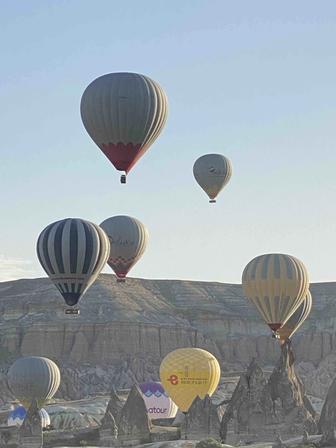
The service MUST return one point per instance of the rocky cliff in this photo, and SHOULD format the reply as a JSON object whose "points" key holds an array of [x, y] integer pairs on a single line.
{"points": [[125, 329]]}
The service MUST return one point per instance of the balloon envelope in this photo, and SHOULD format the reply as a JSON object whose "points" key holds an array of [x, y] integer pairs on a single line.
{"points": [[296, 319], [124, 113], [186, 373], [128, 240], [276, 284], [17, 416], [157, 401], [73, 252], [33, 378], [212, 172]]}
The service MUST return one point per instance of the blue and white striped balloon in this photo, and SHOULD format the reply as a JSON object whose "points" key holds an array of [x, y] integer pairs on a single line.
{"points": [[17, 416], [73, 252]]}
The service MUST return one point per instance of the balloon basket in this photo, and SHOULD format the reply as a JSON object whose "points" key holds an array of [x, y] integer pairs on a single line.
{"points": [[121, 280], [212, 201], [123, 179], [72, 311]]}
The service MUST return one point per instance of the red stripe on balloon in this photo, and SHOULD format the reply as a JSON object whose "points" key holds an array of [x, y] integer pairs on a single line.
{"points": [[122, 156]]}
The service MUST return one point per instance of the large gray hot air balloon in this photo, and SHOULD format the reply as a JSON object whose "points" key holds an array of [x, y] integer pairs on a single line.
{"points": [[212, 172], [124, 113], [33, 378], [128, 238], [73, 252]]}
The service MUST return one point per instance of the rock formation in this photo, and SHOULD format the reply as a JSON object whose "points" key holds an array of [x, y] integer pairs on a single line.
{"points": [[30, 432], [259, 408], [202, 418], [108, 431], [290, 403], [133, 419], [327, 422], [248, 408], [114, 406]]}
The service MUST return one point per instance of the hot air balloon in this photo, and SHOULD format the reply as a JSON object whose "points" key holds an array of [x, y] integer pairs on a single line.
{"points": [[276, 284], [186, 373], [73, 252], [128, 239], [296, 320], [124, 114], [212, 172], [17, 416], [33, 378], [157, 401]]}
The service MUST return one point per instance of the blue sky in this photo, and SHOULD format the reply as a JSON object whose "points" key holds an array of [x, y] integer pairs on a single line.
{"points": [[252, 80]]}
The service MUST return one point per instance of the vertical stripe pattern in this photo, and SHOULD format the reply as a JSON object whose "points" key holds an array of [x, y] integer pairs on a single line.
{"points": [[212, 172], [73, 252], [296, 319], [34, 378], [128, 240], [276, 284], [124, 114]]}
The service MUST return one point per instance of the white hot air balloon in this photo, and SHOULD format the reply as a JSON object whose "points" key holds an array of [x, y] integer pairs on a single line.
{"points": [[17, 416], [212, 172], [128, 239], [158, 403]]}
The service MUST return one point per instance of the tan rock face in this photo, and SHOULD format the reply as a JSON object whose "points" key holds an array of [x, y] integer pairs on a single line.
{"points": [[133, 419], [125, 329], [259, 407]]}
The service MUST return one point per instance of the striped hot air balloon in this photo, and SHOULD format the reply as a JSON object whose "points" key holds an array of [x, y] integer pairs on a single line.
{"points": [[73, 252], [124, 114], [34, 378], [128, 240], [17, 416], [212, 172], [276, 284], [296, 320]]}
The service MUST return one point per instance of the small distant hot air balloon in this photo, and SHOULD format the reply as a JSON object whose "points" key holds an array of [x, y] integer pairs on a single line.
{"points": [[34, 378], [124, 114], [212, 172], [186, 373], [128, 240], [296, 320], [157, 401], [17, 416], [276, 284], [73, 252]]}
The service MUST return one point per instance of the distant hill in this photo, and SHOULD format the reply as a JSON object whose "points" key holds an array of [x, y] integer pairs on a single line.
{"points": [[125, 329]]}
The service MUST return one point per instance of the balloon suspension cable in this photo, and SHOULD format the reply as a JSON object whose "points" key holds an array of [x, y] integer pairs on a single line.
{"points": [[72, 311], [275, 335], [123, 179], [185, 425], [121, 280]]}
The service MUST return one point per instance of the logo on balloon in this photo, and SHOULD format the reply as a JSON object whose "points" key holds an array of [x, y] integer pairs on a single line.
{"points": [[173, 379]]}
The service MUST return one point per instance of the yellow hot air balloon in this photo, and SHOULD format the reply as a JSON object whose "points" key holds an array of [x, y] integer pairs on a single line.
{"points": [[296, 320], [276, 284], [187, 373]]}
